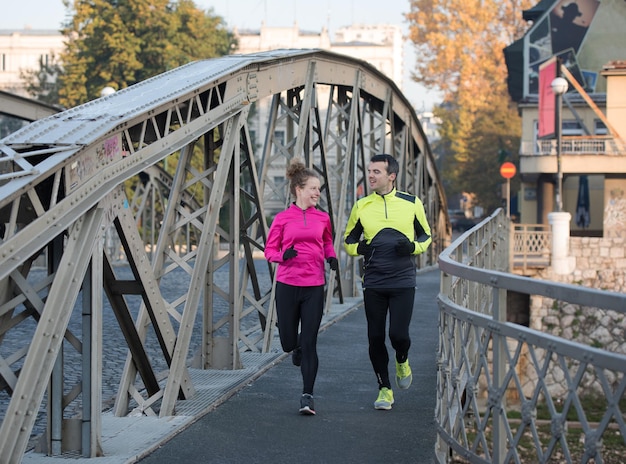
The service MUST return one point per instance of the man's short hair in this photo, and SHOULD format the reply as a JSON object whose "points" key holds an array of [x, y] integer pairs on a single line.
{"points": [[392, 165]]}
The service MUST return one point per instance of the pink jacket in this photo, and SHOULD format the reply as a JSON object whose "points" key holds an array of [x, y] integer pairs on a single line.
{"points": [[310, 233]]}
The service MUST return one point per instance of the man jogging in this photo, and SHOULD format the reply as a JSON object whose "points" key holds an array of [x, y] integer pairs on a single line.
{"points": [[394, 229]]}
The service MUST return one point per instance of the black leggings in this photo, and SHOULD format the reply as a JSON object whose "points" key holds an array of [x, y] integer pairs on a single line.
{"points": [[399, 303], [303, 306]]}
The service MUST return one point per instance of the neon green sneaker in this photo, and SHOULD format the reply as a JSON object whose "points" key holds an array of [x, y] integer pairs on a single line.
{"points": [[385, 399], [404, 377]]}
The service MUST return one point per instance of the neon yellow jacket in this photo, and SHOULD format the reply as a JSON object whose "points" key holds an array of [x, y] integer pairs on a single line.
{"points": [[383, 220]]}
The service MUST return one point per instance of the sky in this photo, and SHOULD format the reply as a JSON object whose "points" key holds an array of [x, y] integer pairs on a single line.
{"points": [[310, 15]]}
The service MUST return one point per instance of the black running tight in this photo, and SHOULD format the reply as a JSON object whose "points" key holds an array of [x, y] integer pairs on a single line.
{"points": [[398, 302], [302, 306]]}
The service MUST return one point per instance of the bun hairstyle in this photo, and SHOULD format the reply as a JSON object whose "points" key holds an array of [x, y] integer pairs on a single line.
{"points": [[298, 174]]}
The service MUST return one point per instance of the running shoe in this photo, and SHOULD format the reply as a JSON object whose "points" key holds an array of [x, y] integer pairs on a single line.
{"points": [[404, 377], [296, 356], [306, 405], [385, 399]]}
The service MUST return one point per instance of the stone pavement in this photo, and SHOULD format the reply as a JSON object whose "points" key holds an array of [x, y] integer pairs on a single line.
{"points": [[251, 415]]}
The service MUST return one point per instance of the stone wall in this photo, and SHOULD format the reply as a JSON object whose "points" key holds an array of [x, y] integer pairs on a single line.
{"points": [[600, 264]]}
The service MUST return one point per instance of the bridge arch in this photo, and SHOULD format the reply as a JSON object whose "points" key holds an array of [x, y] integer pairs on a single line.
{"points": [[215, 137]]}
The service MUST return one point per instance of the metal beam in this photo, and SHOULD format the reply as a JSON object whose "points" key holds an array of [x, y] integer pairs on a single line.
{"points": [[25, 108]]}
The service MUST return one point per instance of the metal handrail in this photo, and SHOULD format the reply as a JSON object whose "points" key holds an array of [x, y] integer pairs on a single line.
{"points": [[483, 359]]}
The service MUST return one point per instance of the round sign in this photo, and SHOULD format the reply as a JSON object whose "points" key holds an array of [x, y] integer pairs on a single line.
{"points": [[507, 170]]}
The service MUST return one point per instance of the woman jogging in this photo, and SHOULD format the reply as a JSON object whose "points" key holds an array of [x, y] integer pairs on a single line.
{"points": [[300, 240]]}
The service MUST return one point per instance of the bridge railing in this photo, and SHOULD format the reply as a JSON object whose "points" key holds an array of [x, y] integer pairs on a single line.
{"points": [[506, 392]]}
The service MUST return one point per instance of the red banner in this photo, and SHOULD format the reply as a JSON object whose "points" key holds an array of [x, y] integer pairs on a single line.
{"points": [[547, 73]]}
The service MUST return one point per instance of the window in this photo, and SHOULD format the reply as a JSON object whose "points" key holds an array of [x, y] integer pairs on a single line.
{"points": [[568, 126], [571, 127], [599, 128], [279, 140]]}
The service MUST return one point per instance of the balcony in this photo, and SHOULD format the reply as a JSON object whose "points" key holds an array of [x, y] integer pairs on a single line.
{"points": [[576, 145], [579, 155]]}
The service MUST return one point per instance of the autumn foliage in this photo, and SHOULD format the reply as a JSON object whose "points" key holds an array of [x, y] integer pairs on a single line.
{"points": [[459, 45]]}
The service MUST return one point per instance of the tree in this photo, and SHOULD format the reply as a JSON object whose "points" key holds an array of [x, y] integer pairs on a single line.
{"points": [[460, 48], [496, 130], [118, 43]]}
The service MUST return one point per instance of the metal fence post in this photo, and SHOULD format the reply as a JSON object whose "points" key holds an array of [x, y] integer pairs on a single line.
{"points": [[498, 394]]}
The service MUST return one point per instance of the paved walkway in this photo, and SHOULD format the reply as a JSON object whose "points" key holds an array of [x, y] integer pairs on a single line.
{"points": [[260, 423]]}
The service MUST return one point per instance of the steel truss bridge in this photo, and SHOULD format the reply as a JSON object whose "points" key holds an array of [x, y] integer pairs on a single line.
{"points": [[177, 175]]}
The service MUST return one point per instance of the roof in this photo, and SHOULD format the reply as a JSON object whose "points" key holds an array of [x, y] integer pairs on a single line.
{"points": [[30, 31], [532, 14]]}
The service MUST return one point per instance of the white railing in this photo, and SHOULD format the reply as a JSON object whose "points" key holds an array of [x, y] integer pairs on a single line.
{"points": [[580, 145], [531, 246]]}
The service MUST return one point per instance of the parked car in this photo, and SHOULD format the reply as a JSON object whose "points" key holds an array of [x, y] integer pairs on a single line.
{"points": [[459, 220]]}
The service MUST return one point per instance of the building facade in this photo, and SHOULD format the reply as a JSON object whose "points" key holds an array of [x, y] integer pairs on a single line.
{"points": [[585, 39], [22, 50], [380, 46]]}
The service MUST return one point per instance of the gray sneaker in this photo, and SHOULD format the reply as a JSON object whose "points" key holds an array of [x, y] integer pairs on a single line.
{"points": [[306, 405]]}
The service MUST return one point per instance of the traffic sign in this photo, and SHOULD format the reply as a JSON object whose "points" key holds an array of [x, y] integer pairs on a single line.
{"points": [[507, 170]]}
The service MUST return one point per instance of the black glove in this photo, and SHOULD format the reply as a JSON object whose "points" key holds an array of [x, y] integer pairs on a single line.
{"points": [[363, 248], [333, 263], [404, 247], [290, 253]]}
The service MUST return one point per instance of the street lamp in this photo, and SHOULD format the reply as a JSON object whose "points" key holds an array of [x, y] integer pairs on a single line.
{"points": [[559, 87]]}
